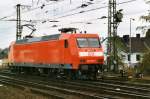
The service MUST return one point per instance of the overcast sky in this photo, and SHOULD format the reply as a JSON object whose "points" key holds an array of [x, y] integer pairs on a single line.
{"points": [[41, 15]]}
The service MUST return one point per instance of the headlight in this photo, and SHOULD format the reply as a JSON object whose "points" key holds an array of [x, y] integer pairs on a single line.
{"points": [[98, 54]]}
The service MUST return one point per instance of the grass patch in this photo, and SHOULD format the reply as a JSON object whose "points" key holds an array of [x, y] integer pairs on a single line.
{"points": [[7, 92]]}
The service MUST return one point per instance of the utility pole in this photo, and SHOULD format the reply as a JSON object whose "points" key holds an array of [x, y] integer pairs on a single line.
{"points": [[18, 24], [115, 59], [112, 33], [130, 42], [109, 45]]}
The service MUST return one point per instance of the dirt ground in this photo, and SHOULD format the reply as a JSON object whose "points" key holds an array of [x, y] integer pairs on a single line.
{"points": [[7, 92]]}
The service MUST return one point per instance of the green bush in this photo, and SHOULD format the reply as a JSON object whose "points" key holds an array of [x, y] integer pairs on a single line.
{"points": [[146, 63]]}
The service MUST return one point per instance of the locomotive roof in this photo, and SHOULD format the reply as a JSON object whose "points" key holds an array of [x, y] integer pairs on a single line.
{"points": [[50, 37], [38, 39]]}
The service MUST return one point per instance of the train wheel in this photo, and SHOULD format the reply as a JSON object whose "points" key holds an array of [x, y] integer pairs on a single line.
{"points": [[12, 69], [68, 74]]}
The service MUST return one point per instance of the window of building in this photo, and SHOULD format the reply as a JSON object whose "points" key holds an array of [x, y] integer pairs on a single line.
{"points": [[138, 57], [129, 57]]}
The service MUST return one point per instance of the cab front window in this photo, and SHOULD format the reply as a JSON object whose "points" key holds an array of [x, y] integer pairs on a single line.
{"points": [[82, 42], [88, 42], [93, 42]]}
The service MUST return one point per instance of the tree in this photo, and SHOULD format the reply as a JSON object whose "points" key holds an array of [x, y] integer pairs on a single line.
{"points": [[148, 33], [4, 53], [120, 47], [145, 18], [146, 63]]}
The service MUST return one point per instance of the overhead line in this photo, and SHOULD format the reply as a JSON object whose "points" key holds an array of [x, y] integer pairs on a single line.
{"points": [[80, 12], [30, 10], [94, 9], [78, 7]]}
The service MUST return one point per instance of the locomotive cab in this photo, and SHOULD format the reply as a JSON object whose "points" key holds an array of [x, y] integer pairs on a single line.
{"points": [[90, 55], [90, 50], [86, 53]]}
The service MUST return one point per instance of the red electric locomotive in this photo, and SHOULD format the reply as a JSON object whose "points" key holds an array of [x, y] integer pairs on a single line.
{"points": [[73, 55]]}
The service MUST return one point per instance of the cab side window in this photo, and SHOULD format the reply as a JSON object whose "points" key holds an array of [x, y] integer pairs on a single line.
{"points": [[66, 44]]}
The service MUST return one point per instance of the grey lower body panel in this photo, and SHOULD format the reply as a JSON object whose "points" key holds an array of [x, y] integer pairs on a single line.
{"points": [[64, 66]]}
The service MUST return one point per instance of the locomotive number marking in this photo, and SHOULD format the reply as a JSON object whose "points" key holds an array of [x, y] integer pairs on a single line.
{"points": [[90, 53]]}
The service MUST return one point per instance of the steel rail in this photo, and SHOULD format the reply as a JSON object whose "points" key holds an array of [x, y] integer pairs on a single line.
{"points": [[47, 88]]}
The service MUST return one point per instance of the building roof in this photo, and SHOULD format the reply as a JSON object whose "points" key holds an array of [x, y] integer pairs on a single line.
{"points": [[138, 44]]}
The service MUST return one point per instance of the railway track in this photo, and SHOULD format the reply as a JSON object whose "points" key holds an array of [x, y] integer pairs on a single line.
{"points": [[128, 83], [52, 91], [94, 89], [116, 91], [22, 86]]}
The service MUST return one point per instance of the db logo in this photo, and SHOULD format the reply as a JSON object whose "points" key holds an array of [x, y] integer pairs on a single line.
{"points": [[90, 53]]}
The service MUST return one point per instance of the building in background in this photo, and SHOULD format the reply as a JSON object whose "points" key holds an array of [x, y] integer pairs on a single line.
{"points": [[136, 46]]}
